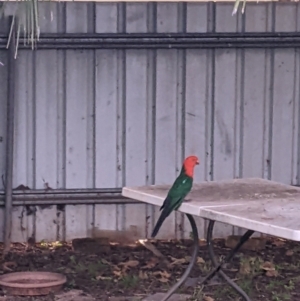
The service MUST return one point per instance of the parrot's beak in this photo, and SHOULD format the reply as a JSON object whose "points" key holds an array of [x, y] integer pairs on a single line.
{"points": [[197, 162]]}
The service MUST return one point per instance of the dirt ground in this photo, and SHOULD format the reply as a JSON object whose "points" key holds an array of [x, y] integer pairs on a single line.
{"points": [[114, 270]]}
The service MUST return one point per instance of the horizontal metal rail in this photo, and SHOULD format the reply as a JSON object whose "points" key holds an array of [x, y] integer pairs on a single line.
{"points": [[163, 40], [67, 197]]}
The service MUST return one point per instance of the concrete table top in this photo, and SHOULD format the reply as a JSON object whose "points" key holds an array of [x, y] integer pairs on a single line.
{"points": [[252, 203]]}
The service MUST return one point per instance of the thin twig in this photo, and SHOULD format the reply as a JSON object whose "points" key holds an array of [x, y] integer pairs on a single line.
{"points": [[148, 245], [17, 40], [10, 31]]}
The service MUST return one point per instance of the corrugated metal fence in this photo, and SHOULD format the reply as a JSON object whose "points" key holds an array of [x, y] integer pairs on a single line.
{"points": [[108, 118]]}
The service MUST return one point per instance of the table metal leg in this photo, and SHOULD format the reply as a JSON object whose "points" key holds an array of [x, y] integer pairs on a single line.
{"points": [[192, 262], [218, 267]]}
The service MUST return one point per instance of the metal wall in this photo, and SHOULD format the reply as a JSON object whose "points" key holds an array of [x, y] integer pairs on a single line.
{"points": [[109, 118]]}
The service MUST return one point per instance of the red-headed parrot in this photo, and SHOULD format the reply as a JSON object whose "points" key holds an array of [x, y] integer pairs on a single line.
{"points": [[181, 187]]}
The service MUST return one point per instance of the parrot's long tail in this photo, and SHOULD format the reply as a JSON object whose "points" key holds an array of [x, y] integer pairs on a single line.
{"points": [[165, 213]]}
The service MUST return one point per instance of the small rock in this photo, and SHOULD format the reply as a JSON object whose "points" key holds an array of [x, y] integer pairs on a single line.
{"points": [[253, 244], [175, 297], [191, 282]]}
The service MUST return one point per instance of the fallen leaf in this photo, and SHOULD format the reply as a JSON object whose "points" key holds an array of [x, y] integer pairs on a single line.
{"points": [[272, 273], [143, 275], [278, 242], [289, 253], [163, 280], [151, 264], [268, 266], [117, 273], [200, 260], [177, 261], [208, 298], [270, 269], [129, 264], [164, 276]]}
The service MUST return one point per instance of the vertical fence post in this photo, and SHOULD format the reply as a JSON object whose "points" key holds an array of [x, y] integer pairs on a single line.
{"points": [[10, 139]]}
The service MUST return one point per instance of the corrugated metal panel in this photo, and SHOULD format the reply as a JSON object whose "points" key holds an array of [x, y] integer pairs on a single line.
{"points": [[108, 118], [3, 104]]}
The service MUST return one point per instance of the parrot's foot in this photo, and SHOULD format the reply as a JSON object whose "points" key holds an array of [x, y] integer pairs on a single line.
{"points": [[187, 200]]}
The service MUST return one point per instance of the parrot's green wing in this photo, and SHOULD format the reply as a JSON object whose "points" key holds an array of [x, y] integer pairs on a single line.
{"points": [[179, 190], [181, 187]]}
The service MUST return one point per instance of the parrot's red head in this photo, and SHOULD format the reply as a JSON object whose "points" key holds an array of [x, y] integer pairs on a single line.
{"points": [[189, 163]]}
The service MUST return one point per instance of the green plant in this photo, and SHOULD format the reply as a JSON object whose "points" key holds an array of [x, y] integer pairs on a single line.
{"points": [[129, 281]]}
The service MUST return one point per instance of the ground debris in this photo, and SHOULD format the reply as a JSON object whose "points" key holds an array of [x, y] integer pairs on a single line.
{"points": [[134, 272], [159, 296], [74, 295]]}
